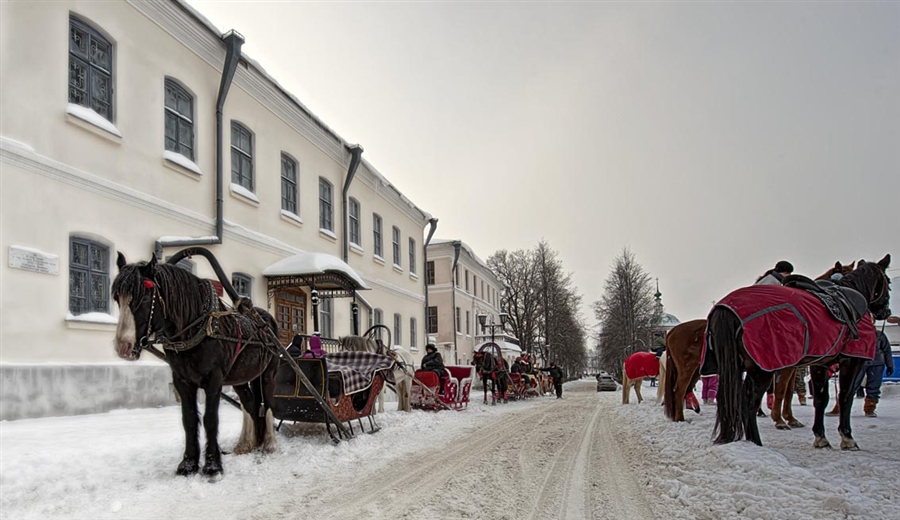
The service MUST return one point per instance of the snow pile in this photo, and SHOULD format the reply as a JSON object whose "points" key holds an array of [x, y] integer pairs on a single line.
{"points": [[785, 478]]}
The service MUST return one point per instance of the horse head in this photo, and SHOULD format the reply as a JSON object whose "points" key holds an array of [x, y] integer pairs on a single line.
{"points": [[871, 280], [838, 268]]}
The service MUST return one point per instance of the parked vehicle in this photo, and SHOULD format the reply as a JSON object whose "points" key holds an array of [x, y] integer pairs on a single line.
{"points": [[606, 383]]}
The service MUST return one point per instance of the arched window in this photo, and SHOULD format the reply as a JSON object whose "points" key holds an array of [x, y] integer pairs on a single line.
{"points": [[179, 119], [90, 68], [241, 156], [88, 276]]}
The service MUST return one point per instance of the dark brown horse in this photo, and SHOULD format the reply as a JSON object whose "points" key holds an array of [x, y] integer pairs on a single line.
{"points": [[683, 348], [489, 364], [207, 346], [808, 338]]}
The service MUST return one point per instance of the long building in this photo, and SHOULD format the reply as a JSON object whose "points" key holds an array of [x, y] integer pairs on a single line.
{"points": [[139, 127]]}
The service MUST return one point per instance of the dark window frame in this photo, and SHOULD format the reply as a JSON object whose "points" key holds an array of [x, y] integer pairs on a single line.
{"points": [[377, 236], [326, 208], [431, 325], [242, 283], [413, 342], [378, 319], [92, 274], [95, 58], [395, 243], [290, 191], [241, 158], [326, 317], [398, 328], [179, 119], [429, 272], [355, 228], [412, 255]]}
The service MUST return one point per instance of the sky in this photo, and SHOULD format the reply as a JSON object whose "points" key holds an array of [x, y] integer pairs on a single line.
{"points": [[711, 139]]}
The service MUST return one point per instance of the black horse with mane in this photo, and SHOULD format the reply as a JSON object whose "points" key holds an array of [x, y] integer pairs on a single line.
{"points": [[762, 329], [491, 368], [207, 346]]}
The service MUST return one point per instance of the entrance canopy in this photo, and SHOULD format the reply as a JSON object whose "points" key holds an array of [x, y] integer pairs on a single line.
{"points": [[328, 274]]}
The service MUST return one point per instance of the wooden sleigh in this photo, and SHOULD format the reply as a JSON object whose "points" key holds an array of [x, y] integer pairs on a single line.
{"points": [[429, 392]]}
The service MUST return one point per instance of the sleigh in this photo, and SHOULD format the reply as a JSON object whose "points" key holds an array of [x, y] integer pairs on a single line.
{"points": [[522, 387], [347, 396], [451, 391]]}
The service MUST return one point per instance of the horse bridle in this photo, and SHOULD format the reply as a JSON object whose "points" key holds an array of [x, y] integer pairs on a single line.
{"points": [[145, 339]]}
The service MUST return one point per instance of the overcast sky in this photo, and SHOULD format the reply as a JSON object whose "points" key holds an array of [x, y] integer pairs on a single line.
{"points": [[711, 139]]}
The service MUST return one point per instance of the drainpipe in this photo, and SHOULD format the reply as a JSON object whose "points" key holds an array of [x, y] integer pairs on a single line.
{"points": [[456, 246], [233, 42], [433, 223], [355, 153]]}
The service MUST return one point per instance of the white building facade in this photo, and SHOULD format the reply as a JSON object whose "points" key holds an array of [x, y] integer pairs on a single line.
{"points": [[110, 140], [454, 303]]}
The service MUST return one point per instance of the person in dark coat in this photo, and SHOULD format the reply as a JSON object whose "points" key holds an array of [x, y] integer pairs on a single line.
{"points": [[873, 372], [557, 374], [433, 360], [516, 367]]}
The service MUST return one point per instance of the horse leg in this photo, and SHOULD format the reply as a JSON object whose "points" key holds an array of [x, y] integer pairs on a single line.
{"points": [[780, 378], [661, 386], [755, 385], [266, 425], [695, 377], [681, 389], [819, 377], [213, 457], [637, 389], [247, 441], [850, 368], [190, 464], [626, 388], [787, 411]]}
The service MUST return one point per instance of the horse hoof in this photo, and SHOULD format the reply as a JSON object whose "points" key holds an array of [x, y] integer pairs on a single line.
{"points": [[187, 467], [782, 426], [795, 424], [212, 468], [849, 445], [822, 443]]}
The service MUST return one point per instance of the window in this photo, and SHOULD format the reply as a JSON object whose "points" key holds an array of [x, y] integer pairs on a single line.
{"points": [[412, 255], [88, 276], [467, 280], [482, 290], [354, 221], [326, 306], [241, 156], [179, 120], [456, 277], [429, 273], [412, 333], [468, 325], [379, 320], [395, 231], [289, 185], [398, 333], [457, 321], [241, 284], [376, 231], [325, 214], [475, 285], [90, 69], [431, 325]]}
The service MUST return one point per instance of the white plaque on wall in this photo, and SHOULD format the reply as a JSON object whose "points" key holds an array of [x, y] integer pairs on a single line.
{"points": [[29, 259]]}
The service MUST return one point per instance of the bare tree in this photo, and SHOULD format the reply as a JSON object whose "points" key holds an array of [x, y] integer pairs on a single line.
{"points": [[516, 272], [625, 312]]}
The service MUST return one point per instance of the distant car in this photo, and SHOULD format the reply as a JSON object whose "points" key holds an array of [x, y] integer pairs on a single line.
{"points": [[606, 383]]}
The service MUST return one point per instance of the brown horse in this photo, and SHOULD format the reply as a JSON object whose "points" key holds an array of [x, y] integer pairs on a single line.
{"points": [[683, 349]]}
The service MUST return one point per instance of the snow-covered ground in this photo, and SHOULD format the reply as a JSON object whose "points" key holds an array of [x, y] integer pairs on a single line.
{"points": [[785, 478], [586, 456]]}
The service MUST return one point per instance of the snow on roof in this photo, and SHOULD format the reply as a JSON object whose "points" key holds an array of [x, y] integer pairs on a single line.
{"points": [[313, 263], [441, 241], [505, 347]]}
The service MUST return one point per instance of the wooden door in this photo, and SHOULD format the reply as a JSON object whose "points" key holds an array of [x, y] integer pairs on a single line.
{"points": [[290, 314]]}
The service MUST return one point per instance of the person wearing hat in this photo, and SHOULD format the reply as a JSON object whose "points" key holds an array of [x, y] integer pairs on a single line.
{"points": [[433, 360], [776, 275], [557, 374]]}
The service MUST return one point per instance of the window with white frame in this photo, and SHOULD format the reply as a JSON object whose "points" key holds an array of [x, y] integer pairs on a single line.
{"points": [[325, 209], [458, 329], [88, 276], [241, 283], [398, 332], [354, 222], [376, 234], [413, 343], [412, 255], [179, 119], [468, 325], [241, 156], [90, 68], [289, 192], [395, 232]]}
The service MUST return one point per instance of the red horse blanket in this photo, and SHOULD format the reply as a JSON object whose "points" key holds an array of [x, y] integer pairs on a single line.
{"points": [[641, 364], [782, 325]]}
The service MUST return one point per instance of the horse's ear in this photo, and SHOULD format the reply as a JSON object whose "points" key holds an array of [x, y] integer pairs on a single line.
{"points": [[885, 262], [120, 260], [152, 262], [838, 267], [853, 265]]}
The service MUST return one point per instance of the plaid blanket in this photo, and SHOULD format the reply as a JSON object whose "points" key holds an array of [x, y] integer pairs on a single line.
{"points": [[358, 369]]}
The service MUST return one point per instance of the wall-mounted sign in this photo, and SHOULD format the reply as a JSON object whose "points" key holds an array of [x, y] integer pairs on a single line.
{"points": [[29, 259]]}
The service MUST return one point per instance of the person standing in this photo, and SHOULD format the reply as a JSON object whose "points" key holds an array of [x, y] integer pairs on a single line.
{"points": [[710, 388], [874, 371], [557, 374], [774, 276]]}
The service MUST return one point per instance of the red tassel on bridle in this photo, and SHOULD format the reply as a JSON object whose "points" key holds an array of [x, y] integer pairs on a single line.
{"points": [[148, 284]]}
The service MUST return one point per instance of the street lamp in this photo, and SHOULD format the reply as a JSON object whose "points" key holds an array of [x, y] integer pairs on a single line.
{"points": [[483, 321]]}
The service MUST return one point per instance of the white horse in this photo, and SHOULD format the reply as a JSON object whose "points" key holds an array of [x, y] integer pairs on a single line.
{"points": [[403, 368]]}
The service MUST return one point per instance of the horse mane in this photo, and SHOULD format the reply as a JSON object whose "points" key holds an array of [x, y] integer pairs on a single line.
{"points": [[860, 280], [180, 289]]}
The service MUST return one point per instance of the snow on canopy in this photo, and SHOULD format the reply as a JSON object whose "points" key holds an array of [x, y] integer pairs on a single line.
{"points": [[311, 264]]}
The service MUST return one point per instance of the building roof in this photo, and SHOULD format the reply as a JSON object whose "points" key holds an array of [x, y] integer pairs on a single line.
{"points": [[306, 264]]}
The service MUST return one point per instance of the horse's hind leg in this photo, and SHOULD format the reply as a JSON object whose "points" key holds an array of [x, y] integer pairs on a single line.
{"points": [[779, 384], [637, 389], [265, 425], [190, 464], [787, 411], [755, 385], [850, 368], [247, 442], [819, 377]]}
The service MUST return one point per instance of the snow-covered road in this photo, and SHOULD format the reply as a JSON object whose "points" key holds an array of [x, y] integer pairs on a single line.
{"points": [[585, 456]]}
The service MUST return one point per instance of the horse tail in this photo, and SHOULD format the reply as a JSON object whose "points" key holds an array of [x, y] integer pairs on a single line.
{"points": [[669, 386], [626, 387], [725, 339]]}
